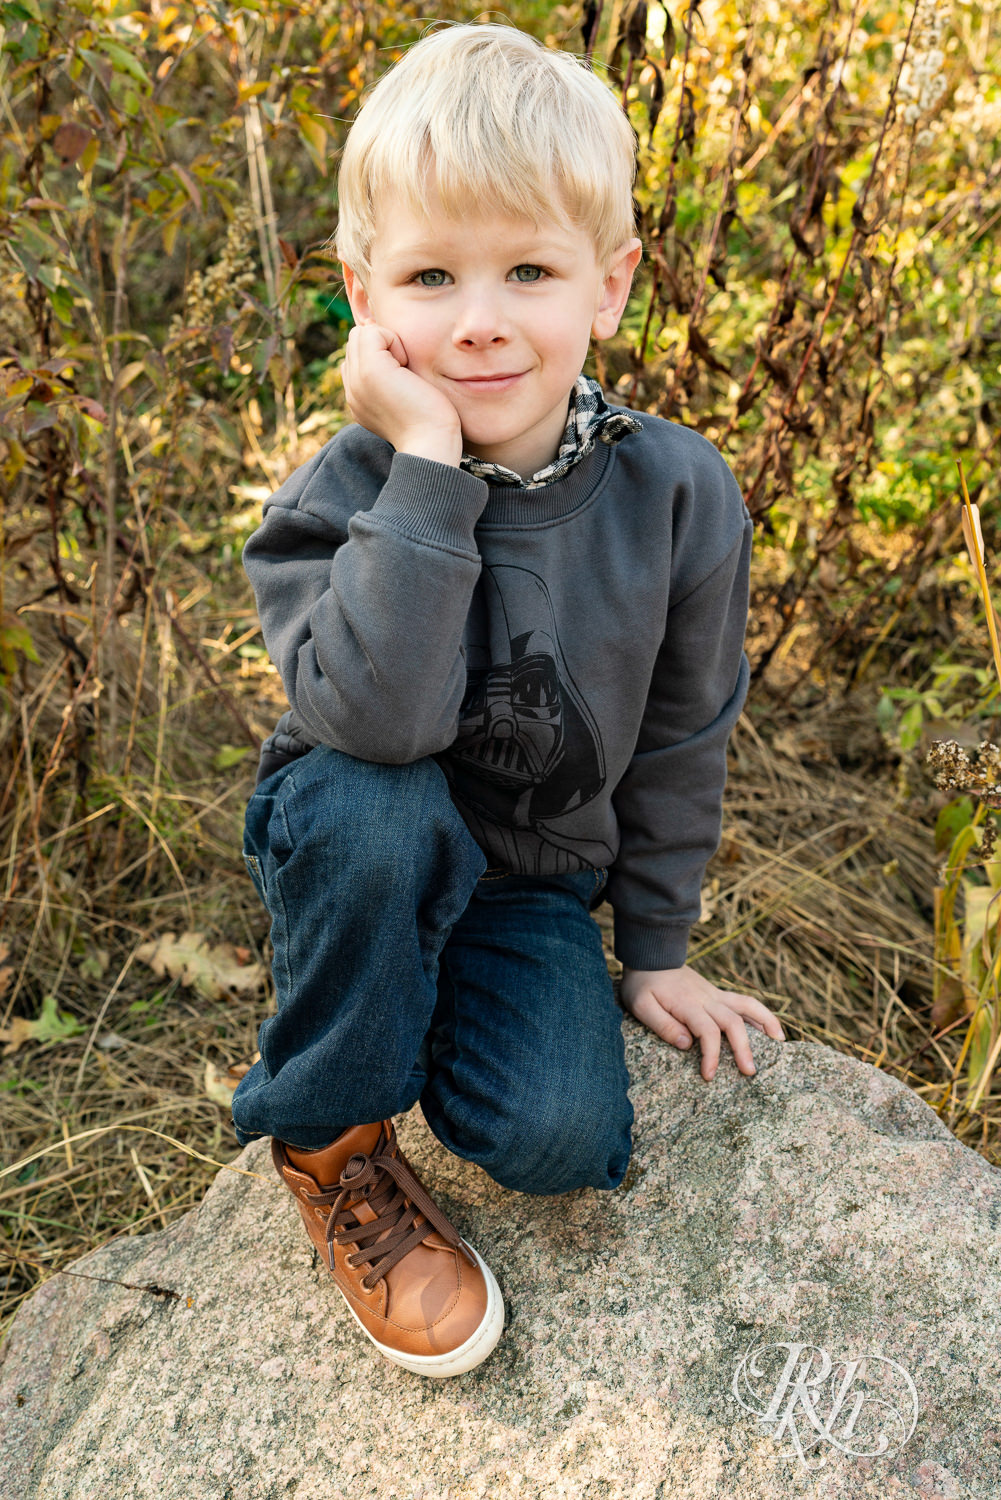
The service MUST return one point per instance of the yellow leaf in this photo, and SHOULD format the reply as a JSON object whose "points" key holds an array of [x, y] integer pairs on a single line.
{"points": [[220, 1087], [211, 971], [247, 91], [980, 936], [279, 371], [14, 462], [315, 137], [968, 536], [16, 1034], [980, 1044]]}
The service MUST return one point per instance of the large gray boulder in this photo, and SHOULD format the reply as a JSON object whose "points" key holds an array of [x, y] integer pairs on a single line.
{"points": [[794, 1222]]}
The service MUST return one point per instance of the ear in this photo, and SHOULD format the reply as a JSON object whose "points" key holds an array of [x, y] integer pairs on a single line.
{"points": [[361, 308], [615, 290]]}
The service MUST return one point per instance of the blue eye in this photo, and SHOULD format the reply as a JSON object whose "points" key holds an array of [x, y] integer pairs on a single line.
{"points": [[429, 273], [537, 269]]}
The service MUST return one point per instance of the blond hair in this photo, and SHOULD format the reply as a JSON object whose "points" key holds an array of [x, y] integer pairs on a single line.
{"points": [[504, 124]]}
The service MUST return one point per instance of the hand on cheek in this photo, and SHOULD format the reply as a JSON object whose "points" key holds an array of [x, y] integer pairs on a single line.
{"points": [[388, 398]]}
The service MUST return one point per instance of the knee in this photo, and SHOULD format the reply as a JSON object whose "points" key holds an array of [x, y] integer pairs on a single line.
{"points": [[331, 798], [555, 1146], [332, 779]]}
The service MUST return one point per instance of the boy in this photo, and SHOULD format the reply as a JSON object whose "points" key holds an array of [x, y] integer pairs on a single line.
{"points": [[509, 620]]}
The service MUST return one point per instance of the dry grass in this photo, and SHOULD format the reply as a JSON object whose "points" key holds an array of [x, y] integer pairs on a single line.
{"points": [[112, 850], [824, 905]]}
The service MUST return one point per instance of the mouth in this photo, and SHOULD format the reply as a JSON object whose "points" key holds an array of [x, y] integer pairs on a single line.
{"points": [[488, 382]]}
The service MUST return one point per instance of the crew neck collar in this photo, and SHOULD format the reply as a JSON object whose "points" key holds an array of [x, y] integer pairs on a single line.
{"points": [[589, 418], [520, 505]]}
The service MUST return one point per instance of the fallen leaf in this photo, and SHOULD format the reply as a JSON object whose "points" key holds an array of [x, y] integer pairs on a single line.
{"points": [[211, 971], [709, 900], [95, 965], [110, 1041], [219, 1087], [51, 1025]]}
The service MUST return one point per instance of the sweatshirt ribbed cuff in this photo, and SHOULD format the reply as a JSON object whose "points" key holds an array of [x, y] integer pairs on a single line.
{"points": [[639, 947], [436, 503]]}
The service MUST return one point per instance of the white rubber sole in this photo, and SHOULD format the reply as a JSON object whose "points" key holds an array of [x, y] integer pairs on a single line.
{"points": [[468, 1355]]}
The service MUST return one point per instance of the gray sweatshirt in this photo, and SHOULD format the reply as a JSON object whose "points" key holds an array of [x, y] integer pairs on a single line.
{"points": [[571, 655]]}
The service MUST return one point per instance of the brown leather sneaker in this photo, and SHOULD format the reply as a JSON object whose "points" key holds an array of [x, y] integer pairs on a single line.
{"points": [[421, 1293]]}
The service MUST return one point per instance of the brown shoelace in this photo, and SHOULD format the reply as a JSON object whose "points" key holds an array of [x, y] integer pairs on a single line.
{"points": [[386, 1183]]}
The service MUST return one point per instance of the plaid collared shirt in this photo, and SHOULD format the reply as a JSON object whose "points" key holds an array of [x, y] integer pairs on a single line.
{"points": [[589, 419]]}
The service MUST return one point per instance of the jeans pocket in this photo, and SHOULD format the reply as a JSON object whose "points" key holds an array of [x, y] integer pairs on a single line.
{"points": [[600, 881], [254, 871]]}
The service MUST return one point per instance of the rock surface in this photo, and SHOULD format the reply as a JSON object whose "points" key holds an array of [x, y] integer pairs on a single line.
{"points": [[819, 1203]]}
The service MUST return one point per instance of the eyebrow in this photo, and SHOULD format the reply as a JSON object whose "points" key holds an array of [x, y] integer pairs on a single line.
{"points": [[425, 250]]}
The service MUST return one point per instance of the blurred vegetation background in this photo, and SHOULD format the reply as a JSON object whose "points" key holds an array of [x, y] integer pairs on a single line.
{"points": [[818, 195]]}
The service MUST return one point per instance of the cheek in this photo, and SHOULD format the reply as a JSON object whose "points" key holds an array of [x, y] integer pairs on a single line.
{"points": [[422, 341], [570, 345]]}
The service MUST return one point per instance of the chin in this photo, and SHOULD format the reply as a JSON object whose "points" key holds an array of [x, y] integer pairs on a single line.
{"points": [[481, 439]]}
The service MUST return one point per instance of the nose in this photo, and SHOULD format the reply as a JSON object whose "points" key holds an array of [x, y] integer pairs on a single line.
{"points": [[480, 320]]}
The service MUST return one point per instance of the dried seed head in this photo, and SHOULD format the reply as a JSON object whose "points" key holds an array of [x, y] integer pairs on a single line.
{"points": [[977, 772]]}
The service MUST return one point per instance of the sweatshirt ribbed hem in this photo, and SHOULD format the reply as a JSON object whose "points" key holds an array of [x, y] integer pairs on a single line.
{"points": [[639, 947], [437, 503]]}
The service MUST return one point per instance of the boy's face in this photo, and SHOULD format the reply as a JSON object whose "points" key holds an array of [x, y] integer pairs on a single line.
{"points": [[492, 297]]}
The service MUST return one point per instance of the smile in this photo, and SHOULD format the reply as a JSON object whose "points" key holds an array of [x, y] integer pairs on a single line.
{"points": [[492, 383]]}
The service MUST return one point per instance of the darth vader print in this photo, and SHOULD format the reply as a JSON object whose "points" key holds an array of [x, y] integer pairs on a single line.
{"points": [[528, 749]]}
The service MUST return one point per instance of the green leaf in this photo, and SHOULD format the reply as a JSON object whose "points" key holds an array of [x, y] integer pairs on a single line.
{"points": [[230, 755], [51, 1025], [910, 726], [885, 712], [62, 303], [953, 818], [123, 60], [14, 637]]}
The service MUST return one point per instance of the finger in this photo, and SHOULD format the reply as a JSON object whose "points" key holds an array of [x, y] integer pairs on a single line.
{"points": [[707, 1019], [709, 1036], [772, 1027], [658, 1020], [381, 340], [698, 1022], [740, 1044], [397, 349], [770, 1024], [346, 386], [750, 1009]]}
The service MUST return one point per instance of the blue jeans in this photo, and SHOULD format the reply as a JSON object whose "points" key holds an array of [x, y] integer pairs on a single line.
{"points": [[405, 969]]}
